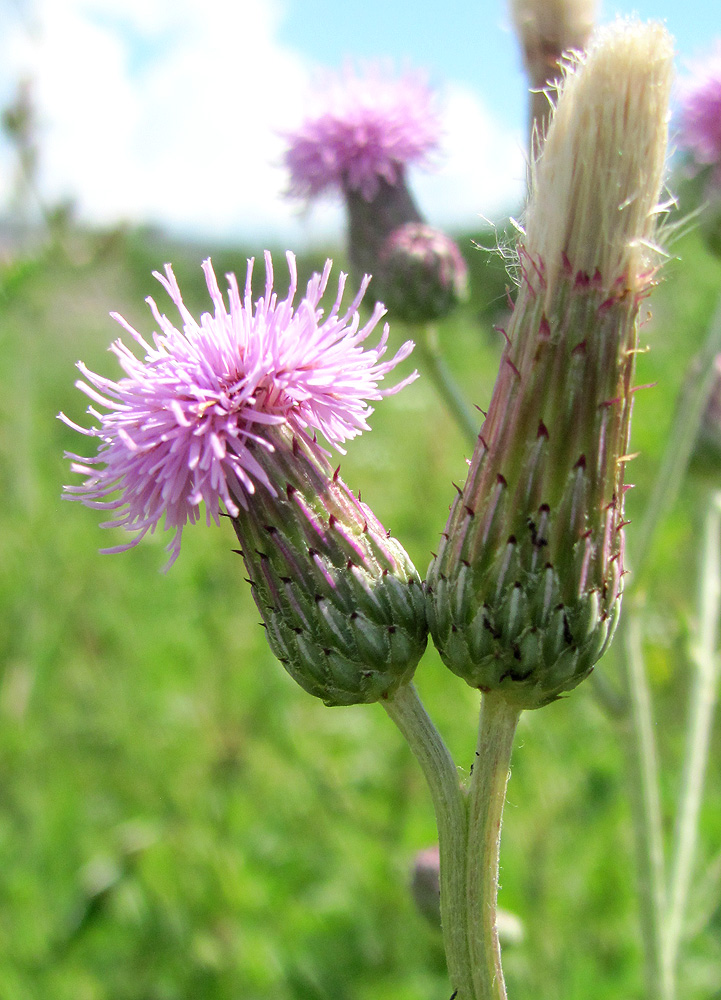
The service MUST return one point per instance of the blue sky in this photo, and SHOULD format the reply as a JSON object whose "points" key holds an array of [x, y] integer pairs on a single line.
{"points": [[169, 110], [468, 40]]}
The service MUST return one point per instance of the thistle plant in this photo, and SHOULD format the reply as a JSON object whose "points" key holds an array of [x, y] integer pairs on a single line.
{"points": [[525, 590], [238, 411]]}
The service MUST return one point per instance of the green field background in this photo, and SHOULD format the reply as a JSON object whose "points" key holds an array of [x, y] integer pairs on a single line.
{"points": [[177, 818]]}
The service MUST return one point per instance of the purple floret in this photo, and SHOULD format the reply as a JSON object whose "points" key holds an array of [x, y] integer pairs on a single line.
{"points": [[367, 128], [179, 422]]}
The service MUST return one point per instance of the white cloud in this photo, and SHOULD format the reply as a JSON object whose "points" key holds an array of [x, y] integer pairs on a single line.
{"points": [[483, 171], [169, 111]]}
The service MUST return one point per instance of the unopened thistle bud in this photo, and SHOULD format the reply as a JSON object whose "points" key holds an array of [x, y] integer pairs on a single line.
{"points": [[224, 412], [422, 273], [525, 591]]}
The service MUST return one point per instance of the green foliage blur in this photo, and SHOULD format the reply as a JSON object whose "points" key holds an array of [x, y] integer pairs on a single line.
{"points": [[179, 821]]}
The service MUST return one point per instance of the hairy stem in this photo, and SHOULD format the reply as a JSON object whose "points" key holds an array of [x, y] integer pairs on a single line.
{"points": [[642, 765], [702, 703], [638, 728], [496, 729], [407, 711]]}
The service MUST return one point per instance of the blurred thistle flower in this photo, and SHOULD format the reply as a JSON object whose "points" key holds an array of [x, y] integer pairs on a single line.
{"points": [[367, 129], [699, 136], [525, 590], [422, 273], [547, 29], [222, 412], [700, 115]]}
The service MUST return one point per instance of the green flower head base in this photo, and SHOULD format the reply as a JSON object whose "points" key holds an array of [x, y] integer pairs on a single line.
{"points": [[525, 590], [224, 412], [341, 600], [422, 273]]}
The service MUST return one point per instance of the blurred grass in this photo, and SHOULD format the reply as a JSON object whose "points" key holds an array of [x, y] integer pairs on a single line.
{"points": [[177, 819]]}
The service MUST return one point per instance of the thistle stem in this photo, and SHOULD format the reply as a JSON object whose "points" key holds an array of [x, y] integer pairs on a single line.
{"points": [[702, 703], [642, 764], [448, 390], [497, 726], [406, 710], [684, 431], [638, 730]]}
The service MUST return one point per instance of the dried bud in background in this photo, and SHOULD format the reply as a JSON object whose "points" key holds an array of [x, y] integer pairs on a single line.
{"points": [[546, 29], [426, 884]]}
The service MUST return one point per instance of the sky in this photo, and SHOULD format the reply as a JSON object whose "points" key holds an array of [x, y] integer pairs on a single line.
{"points": [[170, 112]]}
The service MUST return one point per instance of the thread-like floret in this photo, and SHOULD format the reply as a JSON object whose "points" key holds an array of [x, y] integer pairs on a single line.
{"points": [[184, 424]]}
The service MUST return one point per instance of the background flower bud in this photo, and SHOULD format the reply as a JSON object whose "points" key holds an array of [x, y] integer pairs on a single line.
{"points": [[426, 884], [421, 272], [426, 888]]}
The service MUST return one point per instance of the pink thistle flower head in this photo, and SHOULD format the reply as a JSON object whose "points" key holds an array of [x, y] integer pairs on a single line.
{"points": [[367, 128], [182, 425], [700, 114]]}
